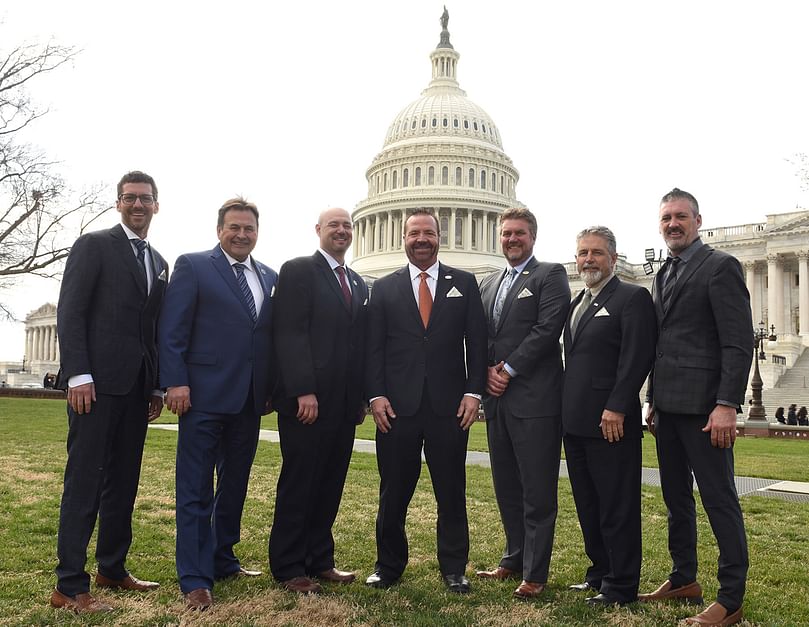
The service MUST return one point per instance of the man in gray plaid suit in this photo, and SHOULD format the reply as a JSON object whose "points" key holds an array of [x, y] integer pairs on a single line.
{"points": [[696, 388]]}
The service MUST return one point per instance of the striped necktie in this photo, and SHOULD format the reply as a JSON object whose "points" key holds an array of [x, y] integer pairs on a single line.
{"points": [[246, 293], [669, 282], [141, 245]]}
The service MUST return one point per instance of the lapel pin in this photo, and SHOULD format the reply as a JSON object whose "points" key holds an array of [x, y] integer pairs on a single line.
{"points": [[354, 282], [448, 276], [525, 271]]}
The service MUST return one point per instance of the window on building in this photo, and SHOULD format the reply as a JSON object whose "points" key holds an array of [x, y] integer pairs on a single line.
{"points": [[501, 185], [423, 123], [418, 177], [475, 226], [395, 179], [458, 232], [483, 179], [471, 177], [475, 125], [458, 176], [405, 177], [494, 182], [383, 227], [455, 123], [445, 175], [385, 182], [413, 125], [431, 175], [466, 124], [435, 122], [444, 222], [445, 123]]}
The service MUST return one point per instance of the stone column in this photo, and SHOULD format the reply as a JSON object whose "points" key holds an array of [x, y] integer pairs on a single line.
{"points": [[376, 232], [467, 239], [389, 234], [772, 291], [803, 291], [452, 229], [46, 354], [485, 242], [780, 320], [54, 343], [29, 341], [750, 280]]}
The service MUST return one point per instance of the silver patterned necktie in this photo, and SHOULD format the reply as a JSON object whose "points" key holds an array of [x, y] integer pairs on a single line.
{"points": [[505, 285], [585, 303]]}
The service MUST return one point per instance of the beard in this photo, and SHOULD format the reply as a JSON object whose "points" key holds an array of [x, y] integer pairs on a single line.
{"points": [[591, 276]]}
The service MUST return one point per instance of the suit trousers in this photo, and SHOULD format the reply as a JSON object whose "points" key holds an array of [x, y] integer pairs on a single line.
{"points": [[310, 487], [208, 522], [525, 456], [398, 455], [605, 479], [104, 453], [682, 447]]}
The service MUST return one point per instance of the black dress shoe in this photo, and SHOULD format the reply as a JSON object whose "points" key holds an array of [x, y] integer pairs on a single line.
{"points": [[378, 580], [458, 584], [583, 587], [602, 600]]}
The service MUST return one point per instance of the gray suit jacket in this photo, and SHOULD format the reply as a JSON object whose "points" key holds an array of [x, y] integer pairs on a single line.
{"points": [[705, 339], [527, 338]]}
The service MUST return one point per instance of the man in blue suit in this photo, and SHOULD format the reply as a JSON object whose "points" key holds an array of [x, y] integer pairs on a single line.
{"points": [[215, 346]]}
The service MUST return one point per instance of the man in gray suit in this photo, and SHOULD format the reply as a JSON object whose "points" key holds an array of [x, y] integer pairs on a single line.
{"points": [[526, 307], [697, 386]]}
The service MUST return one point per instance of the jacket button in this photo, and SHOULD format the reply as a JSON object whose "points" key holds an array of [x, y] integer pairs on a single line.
{"points": [[660, 354]]}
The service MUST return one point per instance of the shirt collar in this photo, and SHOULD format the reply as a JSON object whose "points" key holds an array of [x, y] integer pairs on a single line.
{"points": [[131, 234], [692, 249], [432, 271], [596, 289], [247, 263], [333, 263], [520, 267]]}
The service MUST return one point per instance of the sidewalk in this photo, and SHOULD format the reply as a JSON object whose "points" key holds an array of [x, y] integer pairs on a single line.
{"points": [[774, 488]]}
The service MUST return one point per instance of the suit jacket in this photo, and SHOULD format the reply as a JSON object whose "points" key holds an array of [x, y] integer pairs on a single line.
{"points": [[705, 339], [527, 338], [319, 339], [106, 320], [608, 360], [207, 337], [402, 353]]}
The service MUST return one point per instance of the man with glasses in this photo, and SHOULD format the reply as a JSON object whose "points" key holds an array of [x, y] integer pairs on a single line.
{"points": [[216, 362], [109, 300]]}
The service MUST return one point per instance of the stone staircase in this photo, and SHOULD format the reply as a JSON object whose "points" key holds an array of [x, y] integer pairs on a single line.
{"points": [[792, 387]]}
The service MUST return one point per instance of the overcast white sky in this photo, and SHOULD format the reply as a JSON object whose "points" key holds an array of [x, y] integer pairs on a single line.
{"points": [[603, 107]]}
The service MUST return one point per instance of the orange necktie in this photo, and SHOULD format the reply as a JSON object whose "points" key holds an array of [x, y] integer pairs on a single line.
{"points": [[425, 299]]}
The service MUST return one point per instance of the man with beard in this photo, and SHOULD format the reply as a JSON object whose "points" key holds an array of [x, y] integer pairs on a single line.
{"points": [[696, 389], [525, 308], [426, 370], [216, 361], [319, 328], [609, 347], [108, 306]]}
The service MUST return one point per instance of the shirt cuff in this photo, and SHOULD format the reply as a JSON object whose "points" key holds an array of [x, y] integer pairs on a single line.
{"points": [[79, 379], [727, 403], [477, 396], [158, 393], [511, 372]]}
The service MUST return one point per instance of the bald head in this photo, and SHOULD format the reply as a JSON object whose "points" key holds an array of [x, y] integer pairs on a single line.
{"points": [[336, 231]]}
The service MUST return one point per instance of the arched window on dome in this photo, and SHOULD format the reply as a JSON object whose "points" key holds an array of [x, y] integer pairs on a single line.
{"points": [[483, 179], [502, 183], [377, 183], [445, 175], [444, 222], [475, 125], [413, 125], [471, 177], [494, 182], [458, 176], [385, 182], [435, 122], [484, 126], [445, 123], [423, 122], [431, 176], [405, 177], [466, 124], [418, 177], [395, 179], [455, 123], [403, 127]]}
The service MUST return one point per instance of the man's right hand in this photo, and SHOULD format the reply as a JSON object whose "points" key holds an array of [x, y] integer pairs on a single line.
{"points": [[178, 399], [497, 380], [383, 413], [82, 397], [650, 419], [307, 408]]}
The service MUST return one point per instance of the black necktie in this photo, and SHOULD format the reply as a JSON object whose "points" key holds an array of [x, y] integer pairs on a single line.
{"points": [[141, 245], [669, 281], [248, 295]]}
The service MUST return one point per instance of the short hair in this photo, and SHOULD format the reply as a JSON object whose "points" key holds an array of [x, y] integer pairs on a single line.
{"points": [[521, 213], [600, 231], [136, 176], [422, 211], [235, 204], [678, 194]]}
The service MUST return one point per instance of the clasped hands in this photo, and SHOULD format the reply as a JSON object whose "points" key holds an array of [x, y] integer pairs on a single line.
{"points": [[383, 413]]}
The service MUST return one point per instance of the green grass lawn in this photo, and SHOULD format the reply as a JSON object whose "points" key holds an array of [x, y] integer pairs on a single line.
{"points": [[32, 454]]}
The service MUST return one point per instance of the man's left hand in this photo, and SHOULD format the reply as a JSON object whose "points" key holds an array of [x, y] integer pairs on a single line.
{"points": [[468, 411], [722, 425], [612, 425], [155, 407]]}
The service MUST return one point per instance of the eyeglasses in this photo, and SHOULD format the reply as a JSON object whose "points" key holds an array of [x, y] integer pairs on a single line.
{"points": [[147, 200]]}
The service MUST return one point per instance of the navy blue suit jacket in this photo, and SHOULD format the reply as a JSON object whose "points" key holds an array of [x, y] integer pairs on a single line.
{"points": [[207, 338]]}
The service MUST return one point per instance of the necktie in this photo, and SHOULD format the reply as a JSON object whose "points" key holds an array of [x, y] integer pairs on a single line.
{"points": [[505, 285], [141, 245], [669, 282], [425, 299], [585, 303], [341, 272], [246, 293]]}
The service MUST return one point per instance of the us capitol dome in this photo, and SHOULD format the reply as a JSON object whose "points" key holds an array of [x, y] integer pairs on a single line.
{"points": [[444, 152]]}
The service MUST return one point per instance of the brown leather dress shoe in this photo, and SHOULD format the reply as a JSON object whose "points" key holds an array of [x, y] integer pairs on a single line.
{"points": [[498, 573], [336, 576], [529, 590], [199, 599], [715, 614], [81, 603], [690, 593], [302, 585], [127, 583]]}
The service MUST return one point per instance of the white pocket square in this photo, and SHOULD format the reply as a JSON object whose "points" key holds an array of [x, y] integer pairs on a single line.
{"points": [[525, 293], [602, 312], [162, 275], [365, 302], [272, 291], [454, 293]]}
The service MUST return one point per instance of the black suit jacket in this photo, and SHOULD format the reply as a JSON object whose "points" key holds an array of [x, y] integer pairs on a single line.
{"points": [[527, 338], [608, 360], [450, 353], [106, 320], [319, 340], [705, 339]]}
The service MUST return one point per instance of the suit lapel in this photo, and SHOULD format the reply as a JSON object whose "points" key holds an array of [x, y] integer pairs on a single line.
{"points": [[220, 262], [685, 274], [357, 294], [406, 294], [597, 305], [442, 288], [328, 275], [128, 255], [516, 288]]}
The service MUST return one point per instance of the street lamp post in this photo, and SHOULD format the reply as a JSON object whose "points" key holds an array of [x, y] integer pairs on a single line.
{"points": [[757, 411]]}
